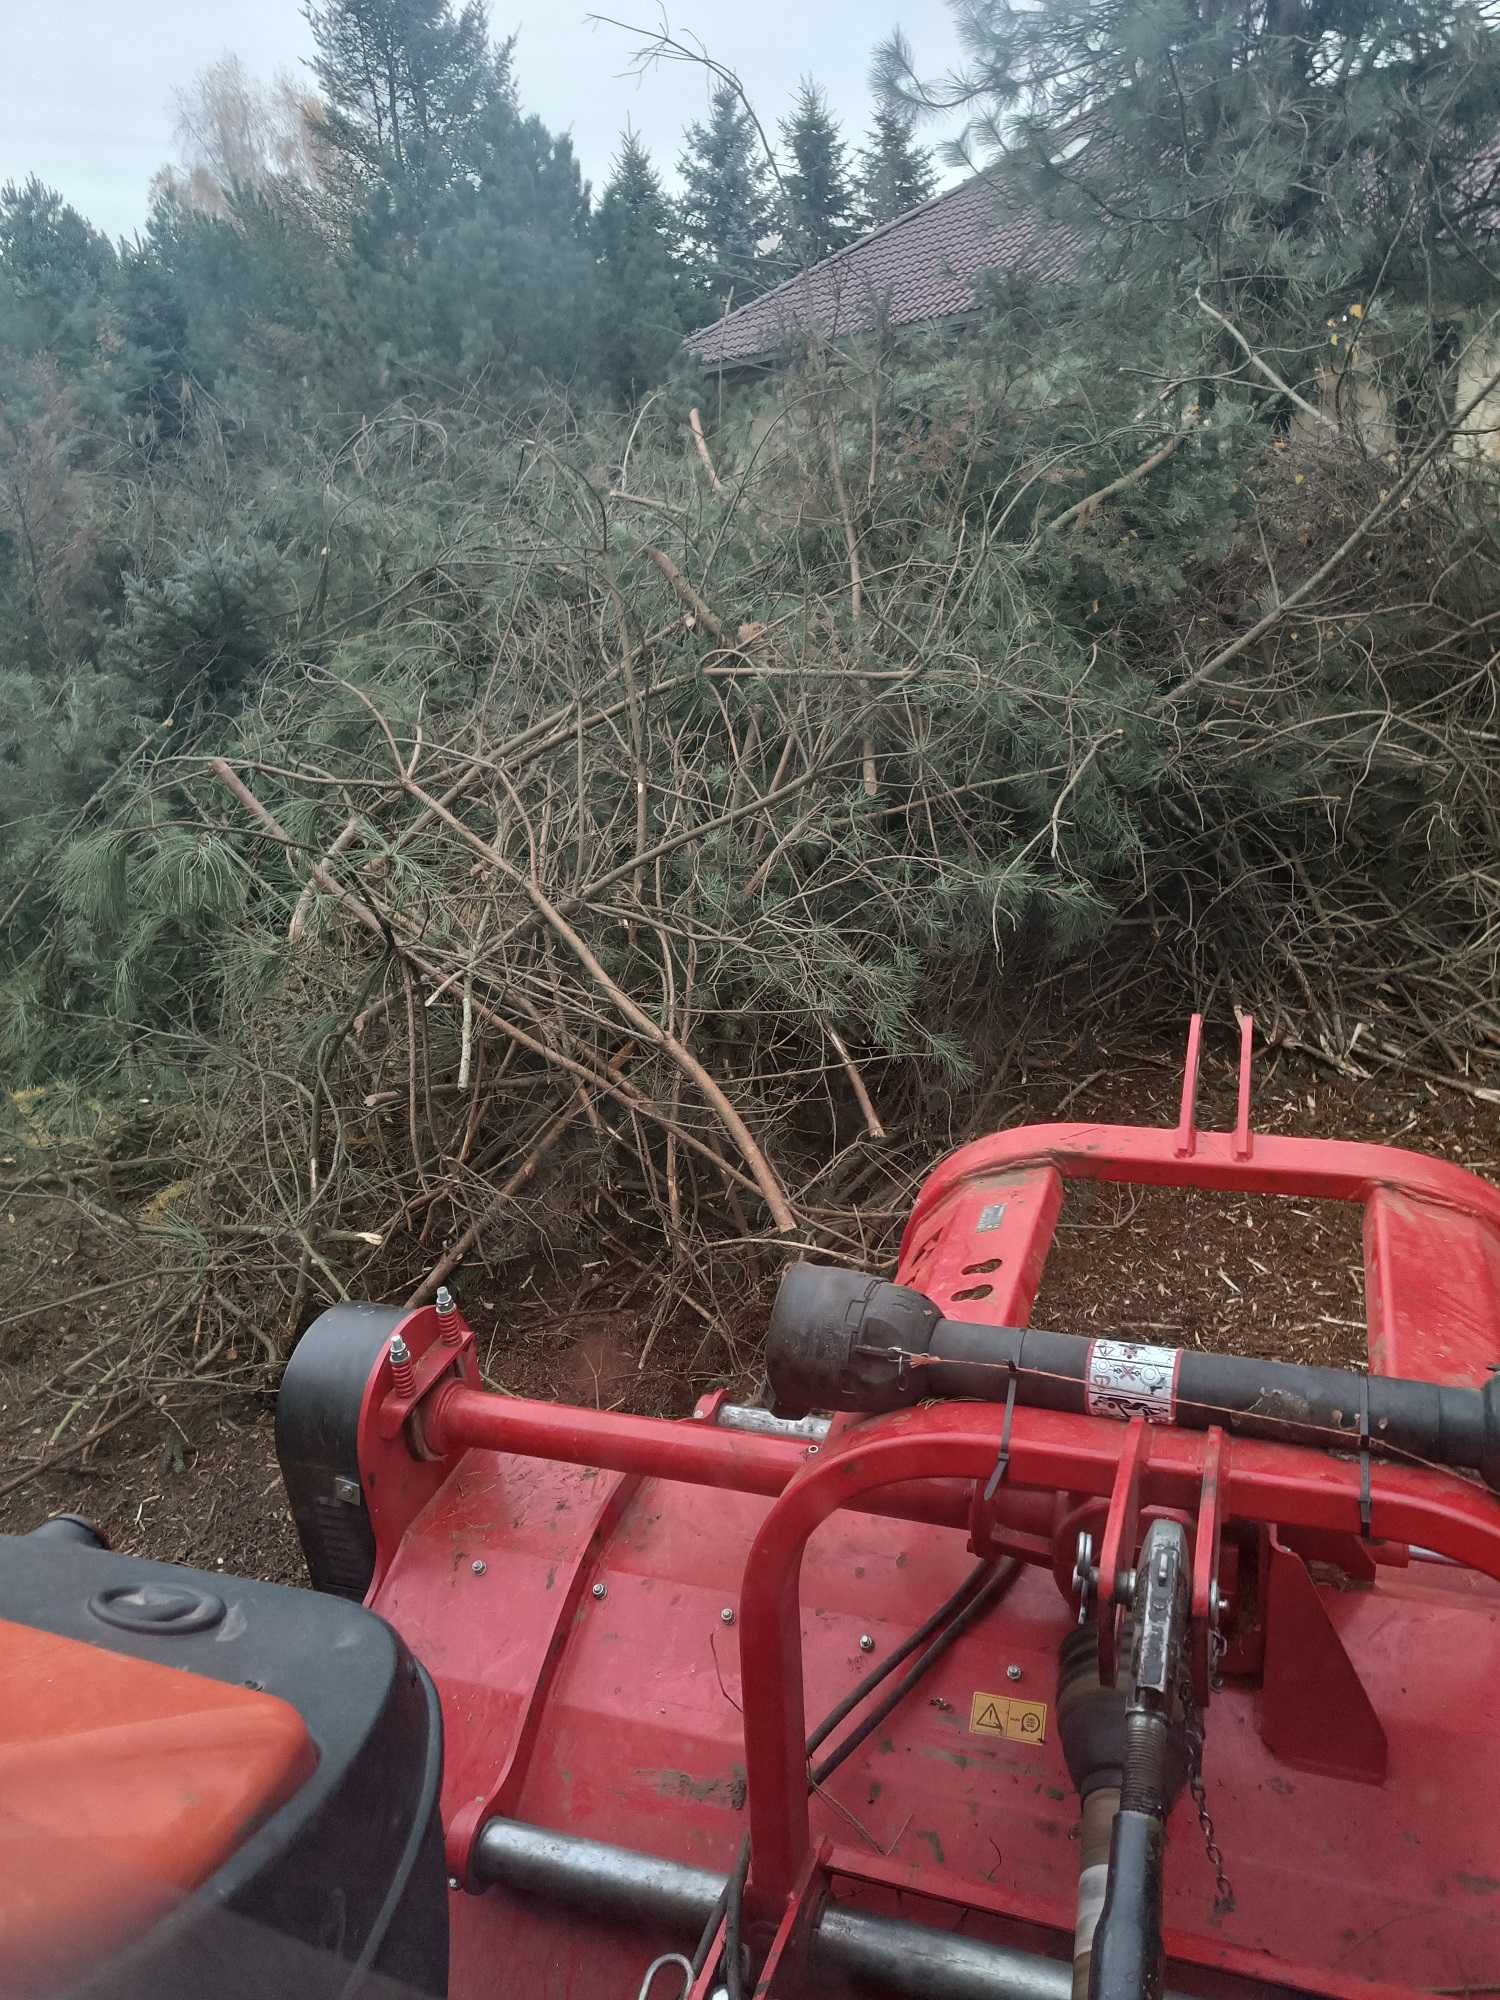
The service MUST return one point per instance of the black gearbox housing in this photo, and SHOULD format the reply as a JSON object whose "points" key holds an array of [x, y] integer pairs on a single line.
{"points": [[342, 1894], [317, 1442]]}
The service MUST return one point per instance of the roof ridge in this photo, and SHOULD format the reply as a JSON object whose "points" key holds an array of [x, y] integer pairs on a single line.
{"points": [[860, 243]]}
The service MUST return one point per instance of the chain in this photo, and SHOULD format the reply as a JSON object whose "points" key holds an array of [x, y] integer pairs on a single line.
{"points": [[1223, 1893]]}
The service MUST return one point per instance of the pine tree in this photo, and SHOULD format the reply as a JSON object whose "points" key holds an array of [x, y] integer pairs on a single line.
{"points": [[59, 280], [895, 173], [819, 201], [407, 85], [49, 256], [643, 294], [517, 266], [500, 285], [727, 208], [1271, 163]]}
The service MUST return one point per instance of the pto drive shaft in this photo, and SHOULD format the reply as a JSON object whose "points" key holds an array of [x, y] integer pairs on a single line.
{"points": [[841, 1341]]}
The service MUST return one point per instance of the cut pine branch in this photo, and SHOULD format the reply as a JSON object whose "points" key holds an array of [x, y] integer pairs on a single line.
{"points": [[650, 1030]]}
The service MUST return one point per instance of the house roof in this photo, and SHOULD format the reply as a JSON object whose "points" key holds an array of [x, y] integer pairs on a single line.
{"points": [[919, 268]]}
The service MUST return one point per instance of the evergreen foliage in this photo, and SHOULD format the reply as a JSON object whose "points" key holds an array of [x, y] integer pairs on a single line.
{"points": [[895, 173], [1290, 162], [644, 305], [56, 271], [407, 86], [727, 207], [1133, 640], [819, 203]]}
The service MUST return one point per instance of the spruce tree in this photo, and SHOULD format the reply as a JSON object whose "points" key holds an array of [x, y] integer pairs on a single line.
{"points": [[820, 203], [727, 208], [895, 173], [642, 290]]}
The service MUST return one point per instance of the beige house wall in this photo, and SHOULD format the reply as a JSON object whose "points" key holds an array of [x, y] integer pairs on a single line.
{"points": [[1480, 437], [1363, 408]]}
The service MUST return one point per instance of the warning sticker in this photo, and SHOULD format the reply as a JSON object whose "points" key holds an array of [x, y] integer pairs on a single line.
{"points": [[1003, 1715]]}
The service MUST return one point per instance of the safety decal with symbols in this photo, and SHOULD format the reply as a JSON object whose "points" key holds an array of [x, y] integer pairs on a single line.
{"points": [[1127, 1379], [1003, 1715]]}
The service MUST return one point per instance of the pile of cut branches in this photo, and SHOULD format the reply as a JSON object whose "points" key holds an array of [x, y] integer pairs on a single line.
{"points": [[662, 865]]}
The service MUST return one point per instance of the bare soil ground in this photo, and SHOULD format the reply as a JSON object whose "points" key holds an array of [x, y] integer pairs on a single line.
{"points": [[200, 1485]]}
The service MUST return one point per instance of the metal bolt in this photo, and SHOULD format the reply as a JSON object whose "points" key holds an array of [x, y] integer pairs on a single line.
{"points": [[1218, 1603], [812, 1451], [726, 1616], [1012, 1672], [866, 1643], [402, 1373], [601, 1590], [450, 1319], [452, 1881], [478, 1566], [346, 1489]]}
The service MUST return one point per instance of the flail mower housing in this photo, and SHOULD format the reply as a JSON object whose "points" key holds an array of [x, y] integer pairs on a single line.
{"points": [[984, 1663]]}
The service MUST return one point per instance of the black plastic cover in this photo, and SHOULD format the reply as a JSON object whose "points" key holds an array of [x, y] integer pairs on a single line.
{"points": [[317, 1442], [342, 1894]]}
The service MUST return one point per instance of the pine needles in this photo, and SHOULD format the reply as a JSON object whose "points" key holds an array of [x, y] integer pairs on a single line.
{"points": [[600, 868]]}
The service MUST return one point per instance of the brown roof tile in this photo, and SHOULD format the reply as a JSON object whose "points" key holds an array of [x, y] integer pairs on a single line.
{"points": [[921, 267]]}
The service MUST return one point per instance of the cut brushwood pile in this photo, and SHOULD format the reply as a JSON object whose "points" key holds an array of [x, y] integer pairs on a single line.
{"points": [[669, 881]]}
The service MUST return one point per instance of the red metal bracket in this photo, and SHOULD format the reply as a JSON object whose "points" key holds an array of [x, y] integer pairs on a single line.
{"points": [[1314, 1712], [427, 1369], [1187, 1116], [1243, 1143], [787, 1972]]}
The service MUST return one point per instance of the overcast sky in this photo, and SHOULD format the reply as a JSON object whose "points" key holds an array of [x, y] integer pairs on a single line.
{"points": [[85, 90]]}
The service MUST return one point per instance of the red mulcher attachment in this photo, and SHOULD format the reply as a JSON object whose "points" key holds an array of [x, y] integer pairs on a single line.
{"points": [[1244, 1612], [990, 1662]]}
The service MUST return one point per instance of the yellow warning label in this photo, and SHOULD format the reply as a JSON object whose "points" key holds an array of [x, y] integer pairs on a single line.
{"points": [[1003, 1715]]}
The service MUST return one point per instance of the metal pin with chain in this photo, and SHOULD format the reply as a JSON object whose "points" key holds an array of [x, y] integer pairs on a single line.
{"points": [[1223, 1890]]}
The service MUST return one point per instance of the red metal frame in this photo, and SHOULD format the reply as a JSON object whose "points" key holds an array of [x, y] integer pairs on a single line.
{"points": [[979, 1235], [1269, 1483]]}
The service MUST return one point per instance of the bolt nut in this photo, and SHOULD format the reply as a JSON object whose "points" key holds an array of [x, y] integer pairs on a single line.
{"points": [[812, 1451], [601, 1590], [346, 1489], [866, 1643], [444, 1301], [726, 1616], [478, 1566], [1012, 1672], [452, 1881]]}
